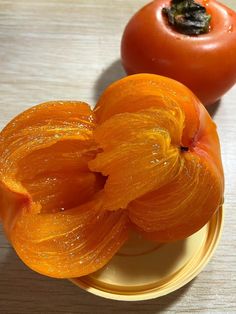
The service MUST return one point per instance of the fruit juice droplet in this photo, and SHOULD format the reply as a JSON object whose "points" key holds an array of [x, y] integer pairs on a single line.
{"points": [[230, 29], [205, 3]]}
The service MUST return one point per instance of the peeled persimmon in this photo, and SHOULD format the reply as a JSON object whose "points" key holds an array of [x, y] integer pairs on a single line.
{"points": [[73, 180], [161, 155], [50, 204]]}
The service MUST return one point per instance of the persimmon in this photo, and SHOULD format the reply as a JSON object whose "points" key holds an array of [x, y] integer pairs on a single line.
{"points": [[191, 41], [49, 200], [161, 154], [73, 180]]}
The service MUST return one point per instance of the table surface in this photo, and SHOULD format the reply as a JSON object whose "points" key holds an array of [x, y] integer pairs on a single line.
{"points": [[69, 49]]}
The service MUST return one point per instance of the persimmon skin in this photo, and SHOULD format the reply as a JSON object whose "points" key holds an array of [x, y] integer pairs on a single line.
{"points": [[205, 63]]}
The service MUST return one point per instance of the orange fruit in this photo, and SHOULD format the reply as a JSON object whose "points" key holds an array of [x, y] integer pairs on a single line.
{"points": [[49, 201], [161, 155], [73, 180]]}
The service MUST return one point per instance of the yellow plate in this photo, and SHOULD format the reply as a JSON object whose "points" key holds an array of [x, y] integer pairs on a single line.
{"points": [[145, 270]]}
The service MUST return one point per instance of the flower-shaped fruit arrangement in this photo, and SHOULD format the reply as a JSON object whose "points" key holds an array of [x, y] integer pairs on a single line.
{"points": [[74, 181]]}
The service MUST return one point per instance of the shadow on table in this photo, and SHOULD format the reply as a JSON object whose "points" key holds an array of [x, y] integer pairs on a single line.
{"points": [[212, 109], [113, 73], [23, 291]]}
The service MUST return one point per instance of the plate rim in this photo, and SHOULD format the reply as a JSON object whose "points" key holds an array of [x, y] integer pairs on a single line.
{"points": [[155, 292]]}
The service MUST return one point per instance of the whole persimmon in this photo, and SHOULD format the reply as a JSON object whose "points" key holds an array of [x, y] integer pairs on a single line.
{"points": [[193, 42], [73, 180]]}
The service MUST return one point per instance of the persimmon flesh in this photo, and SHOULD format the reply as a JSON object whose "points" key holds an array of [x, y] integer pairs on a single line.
{"points": [[73, 180], [50, 204], [161, 154]]}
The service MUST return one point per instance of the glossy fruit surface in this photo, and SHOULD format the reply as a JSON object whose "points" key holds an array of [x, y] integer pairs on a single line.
{"points": [[50, 201], [205, 63], [161, 154], [73, 180]]}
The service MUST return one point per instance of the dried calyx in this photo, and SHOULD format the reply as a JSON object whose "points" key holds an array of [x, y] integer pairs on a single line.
{"points": [[188, 17], [184, 149]]}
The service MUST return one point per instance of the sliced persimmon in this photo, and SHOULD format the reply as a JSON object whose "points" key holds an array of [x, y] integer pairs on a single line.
{"points": [[50, 203], [70, 186], [41, 145], [143, 91], [182, 206], [138, 153], [72, 243], [164, 160]]}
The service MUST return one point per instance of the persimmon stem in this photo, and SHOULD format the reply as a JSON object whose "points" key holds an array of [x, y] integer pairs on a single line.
{"points": [[188, 17], [184, 149]]}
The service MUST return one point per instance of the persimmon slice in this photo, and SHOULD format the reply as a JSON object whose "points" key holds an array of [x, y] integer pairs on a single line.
{"points": [[161, 154], [139, 154], [69, 244], [50, 203], [182, 206], [72, 180], [144, 91]]}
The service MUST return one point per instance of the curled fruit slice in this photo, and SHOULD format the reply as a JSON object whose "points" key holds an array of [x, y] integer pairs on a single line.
{"points": [[70, 186], [137, 154], [69, 244], [163, 163], [50, 203]]}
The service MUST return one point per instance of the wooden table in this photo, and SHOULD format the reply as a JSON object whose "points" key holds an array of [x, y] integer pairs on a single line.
{"points": [[69, 49]]}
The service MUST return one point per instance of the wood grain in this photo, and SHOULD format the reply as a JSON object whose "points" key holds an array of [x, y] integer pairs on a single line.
{"points": [[69, 49]]}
